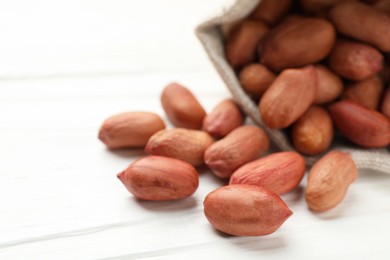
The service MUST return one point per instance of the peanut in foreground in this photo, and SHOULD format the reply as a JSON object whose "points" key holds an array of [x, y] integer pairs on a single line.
{"points": [[279, 172], [160, 178], [329, 180], [242, 145], [245, 210]]}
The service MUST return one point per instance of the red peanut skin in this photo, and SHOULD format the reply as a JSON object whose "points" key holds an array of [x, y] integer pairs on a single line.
{"points": [[271, 11], [160, 178], [289, 96], [329, 87], [312, 134], [242, 42], [183, 144], [328, 181], [318, 6], [297, 42], [245, 210], [255, 79], [242, 145], [363, 126], [224, 118], [181, 107], [129, 129], [362, 22], [367, 92], [279, 172], [354, 60]]}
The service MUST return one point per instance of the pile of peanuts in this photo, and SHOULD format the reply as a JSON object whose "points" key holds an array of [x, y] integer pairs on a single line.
{"points": [[311, 64], [299, 84]]}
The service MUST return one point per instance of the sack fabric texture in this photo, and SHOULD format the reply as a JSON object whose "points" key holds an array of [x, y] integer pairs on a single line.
{"points": [[210, 35]]}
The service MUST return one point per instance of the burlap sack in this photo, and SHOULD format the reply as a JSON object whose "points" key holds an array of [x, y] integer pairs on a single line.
{"points": [[210, 35]]}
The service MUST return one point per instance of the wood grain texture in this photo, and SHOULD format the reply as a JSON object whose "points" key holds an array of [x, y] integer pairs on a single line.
{"points": [[59, 195]]}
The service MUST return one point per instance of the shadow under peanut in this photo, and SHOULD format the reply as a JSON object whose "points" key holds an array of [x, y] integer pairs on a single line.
{"points": [[294, 197], [355, 199], [274, 241], [128, 153], [337, 212], [167, 206], [262, 243]]}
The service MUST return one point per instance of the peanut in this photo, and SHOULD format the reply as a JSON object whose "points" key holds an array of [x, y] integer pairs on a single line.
{"points": [[183, 144], [279, 172], [245, 210], [328, 181], [355, 61], [242, 42], [362, 126], [255, 79], [313, 132], [224, 118], [242, 145], [289, 96], [160, 178], [366, 92], [181, 106], [297, 42], [329, 85], [271, 11], [362, 22], [129, 129]]}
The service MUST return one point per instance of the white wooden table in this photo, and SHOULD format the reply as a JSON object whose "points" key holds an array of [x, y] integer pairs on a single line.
{"points": [[67, 65]]}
